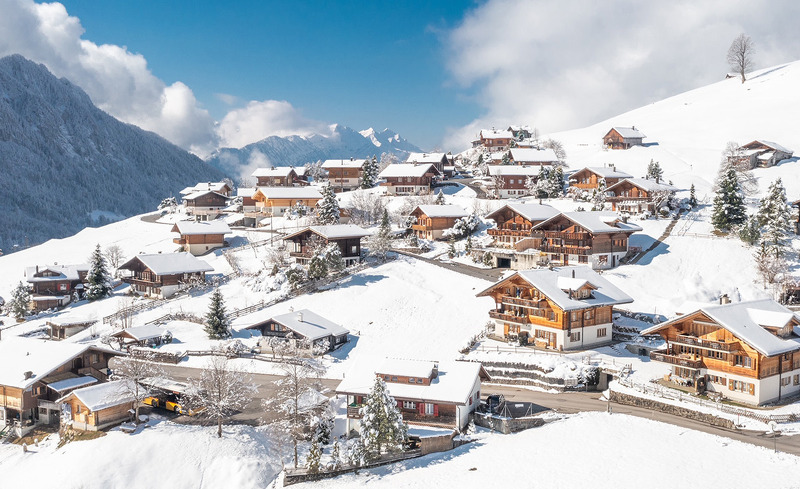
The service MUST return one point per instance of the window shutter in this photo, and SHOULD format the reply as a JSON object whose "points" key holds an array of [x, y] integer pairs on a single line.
{"points": [[730, 385], [421, 407], [399, 404], [436, 410], [752, 389]]}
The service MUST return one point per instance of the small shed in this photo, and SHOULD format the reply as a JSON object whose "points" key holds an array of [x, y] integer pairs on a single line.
{"points": [[98, 406], [303, 324], [147, 335], [623, 137]]}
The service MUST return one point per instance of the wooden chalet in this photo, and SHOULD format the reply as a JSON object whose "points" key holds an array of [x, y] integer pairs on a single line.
{"points": [[521, 132], [344, 174], [427, 393], [439, 160], [638, 195], [280, 176], [515, 221], [306, 327], [532, 156], [623, 138], [163, 274], [218, 187], [275, 201], [494, 139], [762, 154], [145, 335], [99, 406], [430, 221], [62, 327], [409, 179], [747, 352], [562, 308], [205, 205], [53, 286], [589, 178], [200, 237], [34, 373], [511, 181], [303, 243]]}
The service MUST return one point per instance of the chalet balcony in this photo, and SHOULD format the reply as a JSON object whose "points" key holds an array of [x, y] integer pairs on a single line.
{"points": [[567, 250], [701, 343], [141, 281], [562, 235], [419, 227], [444, 421], [510, 318], [43, 403], [676, 360], [508, 232], [354, 411], [179, 241], [300, 254]]}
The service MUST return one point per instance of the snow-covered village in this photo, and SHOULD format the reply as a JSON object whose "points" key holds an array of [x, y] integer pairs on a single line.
{"points": [[202, 289]]}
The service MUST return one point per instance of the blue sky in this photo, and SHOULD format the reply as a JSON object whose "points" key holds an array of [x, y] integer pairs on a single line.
{"points": [[361, 64]]}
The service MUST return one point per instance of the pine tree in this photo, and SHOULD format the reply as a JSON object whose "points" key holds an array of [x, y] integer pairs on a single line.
{"points": [[336, 457], [19, 305], [439, 198], [314, 457], [599, 195], [380, 241], [328, 212], [654, 171], [98, 277], [750, 232], [555, 187], [370, 173], [506, 160], [217, 323], [692, 197], [382, 428], [774, 214], [729, 210], [451, 248], [317, 268]]}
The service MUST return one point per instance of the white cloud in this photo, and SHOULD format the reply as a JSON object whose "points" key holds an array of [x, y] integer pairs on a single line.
{"points": [[559, 65], [259, 119], [227, 98]]}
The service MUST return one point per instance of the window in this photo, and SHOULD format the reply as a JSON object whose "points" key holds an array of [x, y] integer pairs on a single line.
{"points": [[62, 286], [588, 314], [715, 379], [796, 380], [394, 379], [575, 315], [576, 336], [785, 381], [601, 332], [738, 385], [470, 401], [583, 259], [743, 361], [409, 405], [429, 410], [95, 358], [419, 380], [411, 380]]}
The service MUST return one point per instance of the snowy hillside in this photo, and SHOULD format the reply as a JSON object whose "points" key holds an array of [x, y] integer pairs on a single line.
{"points": [[342, 142], [65, 164]]}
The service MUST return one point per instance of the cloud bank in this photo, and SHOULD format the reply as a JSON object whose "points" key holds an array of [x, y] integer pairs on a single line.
{"points": [[562, 65]]}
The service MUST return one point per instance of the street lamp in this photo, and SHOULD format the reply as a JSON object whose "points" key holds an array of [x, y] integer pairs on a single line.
{"points": [[773, 428]]}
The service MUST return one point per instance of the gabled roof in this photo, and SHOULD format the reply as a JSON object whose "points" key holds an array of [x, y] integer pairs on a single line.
{"points": [[309, 324], [770, 144], [408, 170], [514, 170], [246, 192], [452, 385], [170, 263], [213, 186], [63, 272], [434, 158], [496, 134], [141, 333], [531, 212], [201, 193], [605, 172], [72, 383], [644, 184], [289, 192], [189, 228], [342, 163], [275, 171], [628, 132], [102, 396], [747, 321], [333, 231], [40, 357], [595, 222], [533, 155], [552, 283], [432, 210]]}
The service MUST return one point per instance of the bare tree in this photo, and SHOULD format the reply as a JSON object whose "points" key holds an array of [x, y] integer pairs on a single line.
{"points": [[136, 369], [366, 208], [499, 183], [221, 390], [115, 256], [770, 266], [734, 156], [557, 148], [295, 398], [740, 55], [124, 313]]}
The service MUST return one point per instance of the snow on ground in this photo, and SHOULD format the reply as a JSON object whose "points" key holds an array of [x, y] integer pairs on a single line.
{"points": [[615, 451], [164, 454]]}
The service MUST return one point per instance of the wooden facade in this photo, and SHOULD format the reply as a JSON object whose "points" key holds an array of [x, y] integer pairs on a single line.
{"points": [[512, 226], [588, 179], [277, 206], [85, 419], [205, 205], [146, 281], [409, 179], [53, 286], [567, 243], [287, 180], [614, 139], [432, 227], [303, 244]]}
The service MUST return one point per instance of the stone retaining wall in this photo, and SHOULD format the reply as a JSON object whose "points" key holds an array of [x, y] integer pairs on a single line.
{"points": [[710, 419]]}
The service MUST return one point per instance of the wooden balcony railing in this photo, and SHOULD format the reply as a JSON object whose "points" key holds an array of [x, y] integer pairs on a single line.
{"points": [[701, 343], [354, 411], [179, 241], [675, 360], [563, 235], [509, 317], [419, 227], [567, 250], [508, 232]]}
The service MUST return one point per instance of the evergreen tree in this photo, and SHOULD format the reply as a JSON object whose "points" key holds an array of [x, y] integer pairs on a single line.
{"points": [[439, 198], [729, 210], [692, 197], [314, 457], [382, 428], [468, 245], [555, 186], [774, 214], [98, 277], [370, 173], [328, 212], [380, 241], [19, 305], [599, 195], [318, 267], [217, 323], [451, 248], [336, 457], [333, 257], [506, 160], [750, 232], [654, 171]]}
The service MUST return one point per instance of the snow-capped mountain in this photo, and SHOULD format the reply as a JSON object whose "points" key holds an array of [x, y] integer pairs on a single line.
{"points": [[65, 164], [341, 142]]}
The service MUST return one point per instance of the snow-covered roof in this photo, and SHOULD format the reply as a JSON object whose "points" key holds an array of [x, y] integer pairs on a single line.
{"points": [[556, 284], [644, 184], [141, 333], [72, 383], [213, 186], [434, 158], [289, 192], [310, 324], [300, 170], [629, 132], [533, 155], [170, 263], [63, 272], [102, 396], [350, 163], [407, 368], [747, 321], [606, 172], [334, 231], [246, 191], [201, 193], [40, 357], [452, 385], [201, 227], [513, 170], [773, 145], [408, 170], [596, 222], [432, 210], [275, 171], [496, 134], [531, 212]]}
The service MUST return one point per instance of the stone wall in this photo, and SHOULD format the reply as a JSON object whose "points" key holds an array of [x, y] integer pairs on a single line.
{"points": [[506, 425], [653, 405]]}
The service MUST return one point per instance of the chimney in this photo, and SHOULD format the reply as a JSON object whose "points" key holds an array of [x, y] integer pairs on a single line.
{"points": [[724, 299], [37, 268], [625, 218], [28, 374], [351, 158], [435, 371], [300, 316], [573, 273]]}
